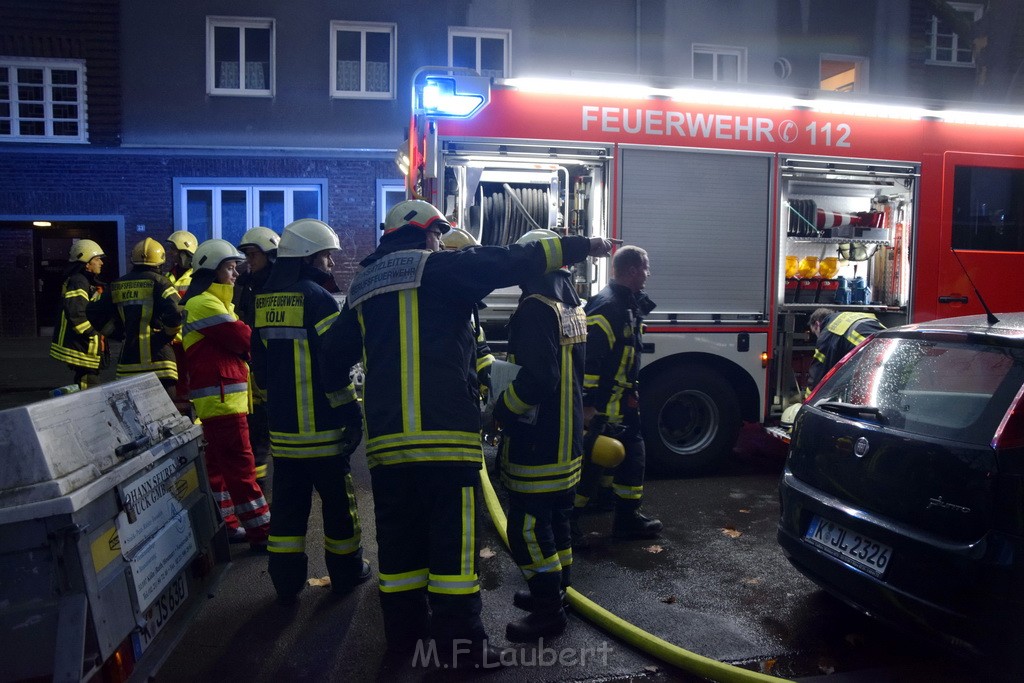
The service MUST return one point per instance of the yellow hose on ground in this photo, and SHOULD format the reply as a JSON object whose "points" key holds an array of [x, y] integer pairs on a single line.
{"points": [[634, 635]]}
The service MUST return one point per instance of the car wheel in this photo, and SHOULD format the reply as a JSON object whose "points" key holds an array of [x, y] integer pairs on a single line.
{"points": [[691, 419]]}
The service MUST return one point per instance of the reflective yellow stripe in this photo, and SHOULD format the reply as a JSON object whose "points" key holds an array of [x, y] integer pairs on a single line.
{"points": [[468, 552], [72, 293], [565, 407], [303, 386], [261, 471], [409, 340], [602, 324], [453, 584], [213, 406], [290, 438], [326, 323], [424, 438], [552, 255], [819, 356], [512, 400], [484, 361], [565, 557], [83, 327], [543, 486], [591, 381], [421, 455], [628, 492], [342, 396], [347, 546], [75, 357], [286, 544], [529, 534], [406, 581]]}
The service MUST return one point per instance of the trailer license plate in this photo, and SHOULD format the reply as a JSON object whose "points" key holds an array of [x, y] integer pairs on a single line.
{"points": [[160, 612], [853, 548]]}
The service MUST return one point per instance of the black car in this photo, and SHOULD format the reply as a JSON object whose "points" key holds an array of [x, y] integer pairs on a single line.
{"points": [[903, 490]]}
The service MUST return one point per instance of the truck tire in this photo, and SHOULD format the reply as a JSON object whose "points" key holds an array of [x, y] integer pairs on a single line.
{"points": [[691, 420]]}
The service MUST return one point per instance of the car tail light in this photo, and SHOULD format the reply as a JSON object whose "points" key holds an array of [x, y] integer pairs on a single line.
{"points": [[1010, 433]]}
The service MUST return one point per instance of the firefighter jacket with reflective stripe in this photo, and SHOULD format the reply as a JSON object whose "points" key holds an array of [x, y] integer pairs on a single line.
{"points": [[75, 340], [181, 282], [614, 330], [216, 347], [408, 317], [304, 421], [541, 411], [840, 334], [145, 305]]}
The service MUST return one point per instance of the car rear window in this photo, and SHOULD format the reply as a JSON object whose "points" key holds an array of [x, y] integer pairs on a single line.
{"points": [[934, 387]]}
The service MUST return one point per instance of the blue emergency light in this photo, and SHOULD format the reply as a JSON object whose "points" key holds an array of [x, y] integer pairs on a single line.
{"points": [[455, 96]]}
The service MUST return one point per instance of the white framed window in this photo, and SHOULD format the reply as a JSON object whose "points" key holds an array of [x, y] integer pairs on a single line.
{"points": [[720, 63], [946, 48], [363, 57], [240, 56], [226, 209], [42, 99], [390, 191], [843, 73], [484, 49]]}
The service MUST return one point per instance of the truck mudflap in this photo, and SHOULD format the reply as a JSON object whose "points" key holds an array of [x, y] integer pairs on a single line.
{"points": [[109, 537]]}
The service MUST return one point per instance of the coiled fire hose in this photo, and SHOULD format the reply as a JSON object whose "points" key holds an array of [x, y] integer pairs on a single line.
{"points": [[622, 629]]}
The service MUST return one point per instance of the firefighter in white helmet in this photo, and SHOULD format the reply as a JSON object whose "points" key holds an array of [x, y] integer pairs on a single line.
{"points": [[312, 432], [407, 314], [143, 307], [217, 347], [75, 341], [541, 416], [260, 248]]}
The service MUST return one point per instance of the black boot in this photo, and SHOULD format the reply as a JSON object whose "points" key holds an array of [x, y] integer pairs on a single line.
{"points": [[630, 523], [547, 622], [523, 599]]}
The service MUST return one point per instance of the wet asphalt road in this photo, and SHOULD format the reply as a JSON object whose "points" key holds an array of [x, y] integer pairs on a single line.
{"points": [[715, 584]]}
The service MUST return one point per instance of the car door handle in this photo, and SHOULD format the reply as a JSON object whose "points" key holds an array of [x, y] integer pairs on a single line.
{"points": [[952, 299]]}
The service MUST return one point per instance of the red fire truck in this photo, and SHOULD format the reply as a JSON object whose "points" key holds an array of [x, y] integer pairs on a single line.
{"points": [[755, 210]]}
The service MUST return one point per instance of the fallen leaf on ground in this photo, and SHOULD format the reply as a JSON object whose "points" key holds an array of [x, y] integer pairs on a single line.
{"points": [[324, 581], [751, 582], [767, 666], [486, 553], [654, 549], [731, 533], [651, 669], [744, 510], [669, 600]]}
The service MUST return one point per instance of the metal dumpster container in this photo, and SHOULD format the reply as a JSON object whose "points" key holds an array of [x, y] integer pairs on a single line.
{"points": [[109, 537]]}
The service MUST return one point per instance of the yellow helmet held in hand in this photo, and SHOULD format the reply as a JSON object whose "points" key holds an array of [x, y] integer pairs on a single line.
{"points": [[415, 213], [457, 238], [184, 241], [85, 251], [305, 237], [607, 452], [148, 252], [212, 253]]}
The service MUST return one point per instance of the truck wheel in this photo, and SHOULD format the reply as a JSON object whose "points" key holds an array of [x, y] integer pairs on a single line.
{"points": [[691, 420]]}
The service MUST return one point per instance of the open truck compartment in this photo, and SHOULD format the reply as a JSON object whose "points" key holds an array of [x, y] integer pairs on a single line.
{"points": [[109, 539]]}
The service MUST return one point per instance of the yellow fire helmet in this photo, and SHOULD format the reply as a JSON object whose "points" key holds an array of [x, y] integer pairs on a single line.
{"points": [[148, 252], [184, 241], [85, 251], [607, 452]]}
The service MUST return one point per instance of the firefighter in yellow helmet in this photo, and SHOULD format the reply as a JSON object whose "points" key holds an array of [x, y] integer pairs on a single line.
{"points": [[541, 415], [75, 341], [180, 247], [260, 248], [143, 307], [217, 346], [407, 315], [312, 432]]}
